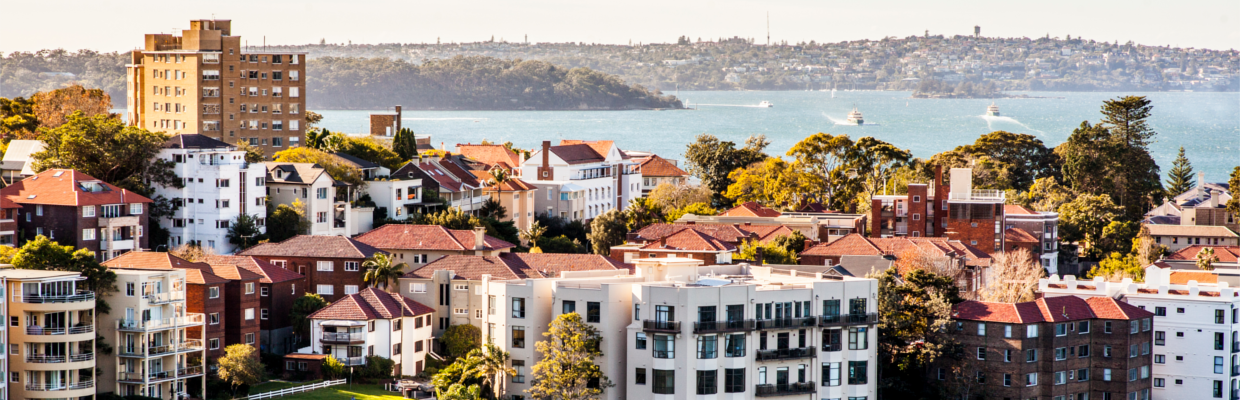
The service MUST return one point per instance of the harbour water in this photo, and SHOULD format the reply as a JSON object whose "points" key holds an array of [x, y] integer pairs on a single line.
{"points": [[1206, 124]]}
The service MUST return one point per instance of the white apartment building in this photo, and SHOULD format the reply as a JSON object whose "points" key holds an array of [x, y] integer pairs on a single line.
{"points": [[579, 180], [373, 323], [219, 185], [678, 330], [154, 355], [400, 197], [1196, 328], [330, 214]]}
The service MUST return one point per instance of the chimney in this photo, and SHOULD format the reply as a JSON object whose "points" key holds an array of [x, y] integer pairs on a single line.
{"points": [[442, 148], [480, 235], [397, 119], [663, 242], [544, 171], [757, 255], [808, 244]]}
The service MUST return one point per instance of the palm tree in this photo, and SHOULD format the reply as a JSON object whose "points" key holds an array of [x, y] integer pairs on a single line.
{"points": [[533, 234], [494, 368], [380, 272], [499, 177], [1206, 259]]}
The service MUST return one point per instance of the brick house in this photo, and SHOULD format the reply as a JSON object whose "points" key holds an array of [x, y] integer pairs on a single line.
{"points": [[204, 293], [278, 288], [332, 265], [1095, 348], [78, 210], [241, 307], [418, 245], [687, 243]]}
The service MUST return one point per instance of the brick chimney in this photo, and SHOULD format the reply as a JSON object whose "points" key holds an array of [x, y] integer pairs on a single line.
{"points": [[397, 120], [544, 171]]}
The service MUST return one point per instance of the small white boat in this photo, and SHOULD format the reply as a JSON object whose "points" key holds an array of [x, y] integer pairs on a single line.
{"points": [[765, 103], [992, 110], [855, 117]]}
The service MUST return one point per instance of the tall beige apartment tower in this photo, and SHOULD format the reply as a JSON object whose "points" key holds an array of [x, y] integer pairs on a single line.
{"points": [[51, 333], [207, 82]]}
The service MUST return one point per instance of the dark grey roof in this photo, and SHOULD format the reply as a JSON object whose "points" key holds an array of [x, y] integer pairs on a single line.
{"points": [[357, 162], [299, 173], [1162, 220], [194, 141]]}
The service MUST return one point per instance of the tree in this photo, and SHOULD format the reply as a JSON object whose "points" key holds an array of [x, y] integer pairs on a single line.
{"points": [[1117, 236], [405, 144], [562, 245], [1146, 249], [369, 149], [771, 253], [285, 221], [460, 377], [1180, 177], [606, 230], [253, 154], [1046, 194], [336, 167], [1012, 278], [299, 314], [192, 252], [313, 119], [773, 183], [381, 273], [1206, 259], [828, 173], [17, 119], [244, 231], [532, 235], [451, 218], [794, 242], [1111, 158], [880, 160], [1083, 218], [494, 367], [53, 108], [1117, 266], [640, 213], [913, 316], [240, 366], [316, 138], [1019, 158], [461, 392], [1233, 205], [44, 254], [712, 160], [1126, 117], [459, 340], [332, 368], [499, 177], [668, 197], [567, 369], [491, 208], [696, 209]]}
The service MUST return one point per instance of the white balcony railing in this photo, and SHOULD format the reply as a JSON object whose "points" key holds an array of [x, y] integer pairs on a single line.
{"points": [[80, 296], [41, 330], [979, 195], [35, 387], [168, 297], [156, 324]]}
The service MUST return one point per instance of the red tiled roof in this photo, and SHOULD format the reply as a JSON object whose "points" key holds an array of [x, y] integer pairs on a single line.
{"points": [[460, 173], [313, 246], [1019, 236], [512, 185], [444, 180], [510, 266], [233, 273], [1048, 309], [150, 260], [850, 245], [370, 304], [601, 147], [690, 240], [750, 209], [1181, 277], [493, 155], [1225, 254], [856, 245], [577, 153], [202, 277], [66, 190], [724, 232], [1109, 308], [1190, 230], [427, 237], [270, 273], [1009, 209], [658, 166]]}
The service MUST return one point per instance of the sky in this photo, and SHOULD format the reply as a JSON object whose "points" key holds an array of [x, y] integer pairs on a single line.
{"points": [[119, 26]]}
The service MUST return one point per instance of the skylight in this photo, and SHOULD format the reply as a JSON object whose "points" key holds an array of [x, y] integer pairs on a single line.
{"points": [[58, 173]]}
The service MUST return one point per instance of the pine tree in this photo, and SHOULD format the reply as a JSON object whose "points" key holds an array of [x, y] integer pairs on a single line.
{"points": [[1180, 177]]}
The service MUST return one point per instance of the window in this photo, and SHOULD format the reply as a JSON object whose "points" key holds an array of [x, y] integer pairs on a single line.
{"points": [[981, 353], [1160, 311], [830, 374], [1031, 379], [1031, 331], [707, 382], [417, 288], [88, 234], [263, 314], [249, 288], [857, 372], [518, 337], [735, 345], [734, 380], [1061, 329], [1082, 327], [1060, 377], [640, 342], [215, 318], [1061, 353], [1218, 365], [325, 265], [1031, 355], [214, 344], [88, 211], [249, 338], [249, 314], [214, 292], [1218, 389], [1082, 351], [858, 338], [593, 311], [350, 289], [1007, 331], [518, 307], [325, 290], [1218, 340], [351, 265], [664, 346], [264, 291], [321, 193], [639, 378], [1106, 327], [707, 347], [460, 311], [981, 329], [1007, 379], [1133, 328], [1082, 374], [664, 381], [568, 307], [396, 348]]}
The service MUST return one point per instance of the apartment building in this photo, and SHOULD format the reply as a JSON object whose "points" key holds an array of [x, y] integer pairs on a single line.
{"points": [[328, 210], [51, 336], [515, 195], [153, 354], [78, 210], [737, 331], [204, 294], [18, 160], [658, 170], [451, 182], [242, 308], [1054, 347], [417, 245], [1035, 231], [959, 213], [580, 180], [374, 323], [278, 288], [205, 81], [1196, 331], [687, 243], [219, 186], [332, 265], [882, 251], [398, 198], [1178, 237]]}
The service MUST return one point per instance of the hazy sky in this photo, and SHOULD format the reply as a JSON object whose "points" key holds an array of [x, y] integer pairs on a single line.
{"points": [[119, 26]]}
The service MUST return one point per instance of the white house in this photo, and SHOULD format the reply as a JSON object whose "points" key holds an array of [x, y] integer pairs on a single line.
{"points": [[219, 185], [373, 323], [580, 180], [328, 214], [399, 197]]}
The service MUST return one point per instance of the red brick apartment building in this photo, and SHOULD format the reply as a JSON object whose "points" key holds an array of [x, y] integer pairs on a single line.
{"points": [[278, 288], [332, 265], [957, 212], [75, 209]]}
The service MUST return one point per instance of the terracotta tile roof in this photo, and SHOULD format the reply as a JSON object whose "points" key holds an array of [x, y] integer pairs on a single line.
{"points": [[601, 147], [64, 187], [510, 266], [426, 237], [856, 245], [270, 273], [512, 185], [750, 209], [1182, 277], [767, 233], [658, 166], [445, 181], [850, 245], [576, 154], [1225, 254], [1190, 230], [1019, 235], [305, 356], [460, 173], [150, 260], [203, 277], [1048, 309], [233, 272], [492, 155], [690, 240], [313, 246], [728, 233], [1109, 308], [370, 304], [1009, 209]]}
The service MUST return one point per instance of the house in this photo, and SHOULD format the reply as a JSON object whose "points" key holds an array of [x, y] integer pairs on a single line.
{"points": [[515, 195], [18, 162], [972, 260], [370, 170], [816, 226], [750, 209], [452, 183], [1205, 204], [733, 234], [219, 186], [332, 265], [78, 210], [580, 179], [688, 242], [490, 156], [374, 323], [658, 170], [418, 245], [1177, 237], [277, 289], [326, 201], [396, 198]]}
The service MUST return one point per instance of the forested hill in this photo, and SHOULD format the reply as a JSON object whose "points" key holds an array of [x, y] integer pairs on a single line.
{"points": [[470, 83]]}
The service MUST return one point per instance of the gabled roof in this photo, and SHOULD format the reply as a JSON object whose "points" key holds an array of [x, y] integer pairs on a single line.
{"points": [[856, 245], [510, 266], [150, 260], [195, 276], [17, 157], [233, 272], [1182, 277], [601, 147], [1048, 309], [1018, 235], [194, 141], [493, 155], [512, 185], [689, 240], [750, 209], [270, 273], [313, 246], [1009, 209], [658, 166], [577, 154], [370, 304], [294, 173], [849, 245], [354, 161], [427, 237], [1190, 230], [66, 187], [460, 173], [1225, 254]]}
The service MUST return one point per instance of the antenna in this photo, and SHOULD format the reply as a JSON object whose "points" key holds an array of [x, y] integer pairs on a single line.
{"points": [[768, 28]]}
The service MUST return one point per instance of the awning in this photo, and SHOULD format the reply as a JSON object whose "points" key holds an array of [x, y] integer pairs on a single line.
{"points": [[336, 322]]}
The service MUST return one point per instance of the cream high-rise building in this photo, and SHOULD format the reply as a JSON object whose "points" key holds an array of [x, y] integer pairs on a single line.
{"points": [[51, 335], [154, 355], [208, 81]]}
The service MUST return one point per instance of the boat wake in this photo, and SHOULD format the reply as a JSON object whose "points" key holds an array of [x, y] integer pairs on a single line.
{"points": [[845, 122], [991, 120]]}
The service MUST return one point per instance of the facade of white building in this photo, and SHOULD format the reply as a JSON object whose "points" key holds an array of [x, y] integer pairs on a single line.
{"points": [[373, 323], [310, 183], [581, 180], [219, 185]]}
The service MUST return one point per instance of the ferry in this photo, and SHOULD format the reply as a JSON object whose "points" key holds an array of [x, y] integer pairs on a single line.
{"points": [[854, 117], [992, 110], [765, 104]]}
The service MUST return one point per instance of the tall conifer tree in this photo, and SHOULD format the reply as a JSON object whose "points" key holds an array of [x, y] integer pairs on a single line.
{"points": [[1180, 177]]}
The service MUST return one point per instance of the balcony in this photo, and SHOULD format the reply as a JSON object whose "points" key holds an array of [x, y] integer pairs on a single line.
{"points": [[60, 386], [117, 244], [661, 326], [787, 354], [50, 359], [353, 361], [832, 347], [80, 296], [160, 376], [164, 298], [160, 324], [41, 330], [1235, 347], [724, 326], [979, 195], [848, 319], [343, 337], [153, 351], [789, 389], [786, 323]]}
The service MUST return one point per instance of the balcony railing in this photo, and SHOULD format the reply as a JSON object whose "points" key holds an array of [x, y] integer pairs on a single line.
{"points": [[60, 386], [787, 354], [49, 359], [788, 389], [41, 330], [343, 337], [80, 296], [354, 361], [832, 347], [979, 194], [786, 323], [661, 326], [848, 319], [160, 375], [724, 326], [160, 298], [157, 324], [188, 345], [667, 354], [1235, 347]]}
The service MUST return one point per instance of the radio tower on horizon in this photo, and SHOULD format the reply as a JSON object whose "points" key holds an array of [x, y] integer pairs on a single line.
{"points": [[768, 28]]}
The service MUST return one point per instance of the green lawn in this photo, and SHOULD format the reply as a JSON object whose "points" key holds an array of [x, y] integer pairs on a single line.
{"points": [[276, 385], [342, 392]]}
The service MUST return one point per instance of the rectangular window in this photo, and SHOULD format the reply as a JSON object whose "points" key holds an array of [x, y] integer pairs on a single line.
{"points": [[88, 234], [417, 288], [734, 380], [249, 288], [664, 381], [664, 346], [518, 307], [857, 372], [981, 329], [1031, 379], [735, 346], [639, 378], [352, 266], [213, 292], [640, 341], [981, 353], [325, 289], [518, 337], [350, 289], [707, 347], [88, 211], [830, 374], [858, 338], [707, 382], [593, 311], [1031, 331], [263, 314], [568, 307], [215, 318], [325, 265]]}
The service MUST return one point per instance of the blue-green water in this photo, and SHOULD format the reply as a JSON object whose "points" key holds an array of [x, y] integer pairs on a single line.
{"points": [[1206, 124]]}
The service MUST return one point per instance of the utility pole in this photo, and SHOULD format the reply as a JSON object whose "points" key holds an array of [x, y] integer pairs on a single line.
{"points": [[768, 28]]}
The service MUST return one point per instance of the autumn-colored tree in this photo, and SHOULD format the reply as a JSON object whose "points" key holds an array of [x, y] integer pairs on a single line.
{"points": [[1012, 277], [773, 183], [240, 366], [695, 209], [253, 154], [827, 171], [53, 108], [192, 252], [667, 196], [17, 118]]}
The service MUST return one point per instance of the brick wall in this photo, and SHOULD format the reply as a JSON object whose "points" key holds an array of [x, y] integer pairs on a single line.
{"points": [[197, 301], [337, 277], [238, 301]]}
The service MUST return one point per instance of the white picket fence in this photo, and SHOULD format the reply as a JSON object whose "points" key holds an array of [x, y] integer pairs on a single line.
{"points": [[294, 390]]}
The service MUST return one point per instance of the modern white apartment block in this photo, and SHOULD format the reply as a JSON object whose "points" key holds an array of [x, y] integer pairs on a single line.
{"points": [[153, 354], [580, 180], [329, 214], [219, 185], [50, 334], [400, 197], [1196, 328], [373, 323], [676, 329]]}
